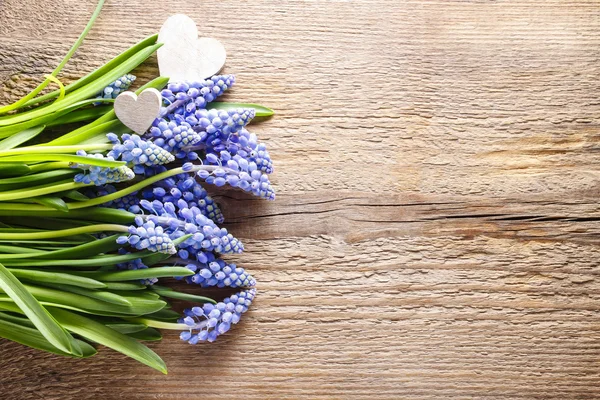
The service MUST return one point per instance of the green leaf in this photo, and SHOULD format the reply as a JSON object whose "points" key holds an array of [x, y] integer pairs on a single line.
{"points": [[119, 286], [167, 292], [20, 138], [85, 114], [164, 315], [99, 333], [18, 249], [54, 202], [97, 214], [26, 158], [86, 132], [41, 178], [38, 315], [135, 274], [16, 319], [261, 111], [57, 277], [33, 338], [102, 295], [148, 334], [89, 249], [138, 306], [14, 169], [40, 190], [126, 328], [75, 195]]}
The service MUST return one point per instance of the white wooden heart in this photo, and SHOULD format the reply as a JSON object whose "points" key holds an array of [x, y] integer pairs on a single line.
{"points": [[185, 57], [138, 112]]}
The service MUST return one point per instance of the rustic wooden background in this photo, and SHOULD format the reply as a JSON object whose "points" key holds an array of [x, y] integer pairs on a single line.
{"points": [[436, 233]]}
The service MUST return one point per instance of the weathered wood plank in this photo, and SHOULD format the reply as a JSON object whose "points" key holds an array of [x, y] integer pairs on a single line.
{"points": [[437, 226]]}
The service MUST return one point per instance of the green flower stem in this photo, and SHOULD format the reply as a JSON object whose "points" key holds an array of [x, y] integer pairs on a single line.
{"points": [[18, 194], [159, 324], [49, 166], [115, 62], [55, 149], [63, 232], [60, 66], [26, 158], [138, 186], [96, 214]]}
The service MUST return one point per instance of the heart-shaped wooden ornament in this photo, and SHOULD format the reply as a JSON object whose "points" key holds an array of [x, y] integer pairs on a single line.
{"points": [[184, 56], [138, 112]]}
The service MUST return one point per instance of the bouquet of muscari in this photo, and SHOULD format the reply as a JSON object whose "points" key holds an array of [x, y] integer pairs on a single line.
{"points": [[90, 219]]}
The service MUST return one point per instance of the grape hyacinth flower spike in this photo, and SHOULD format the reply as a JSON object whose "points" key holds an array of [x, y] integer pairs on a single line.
{"points": [[101, 175], [117, 87], [206, 323]]}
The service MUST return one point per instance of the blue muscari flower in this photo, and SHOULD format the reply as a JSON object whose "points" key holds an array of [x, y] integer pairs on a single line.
{"points": [[173, 136], [206, 323], [247, 146], [101, 175], [198, 93], [172, 190], [219, 124], [148, 235], [182, 219], [138, 152], [117, 87], [213, 271], [236, 171]]}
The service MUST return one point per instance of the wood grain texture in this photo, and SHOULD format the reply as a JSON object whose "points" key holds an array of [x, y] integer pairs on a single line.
{"points": [[436, 231]]}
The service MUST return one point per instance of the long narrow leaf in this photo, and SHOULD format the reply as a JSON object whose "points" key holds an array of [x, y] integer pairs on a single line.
{"points": [[81, 115], [127, 328], [167, 292], [55, 277], [20, 138], [135, 274], [99, 333], [261, 111], [33, 338], [102, 295], [51, 201], [38, 315], [148, 334]]}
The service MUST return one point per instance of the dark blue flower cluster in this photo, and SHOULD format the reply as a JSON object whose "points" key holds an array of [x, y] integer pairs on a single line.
{"points": [[206, 323]]}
